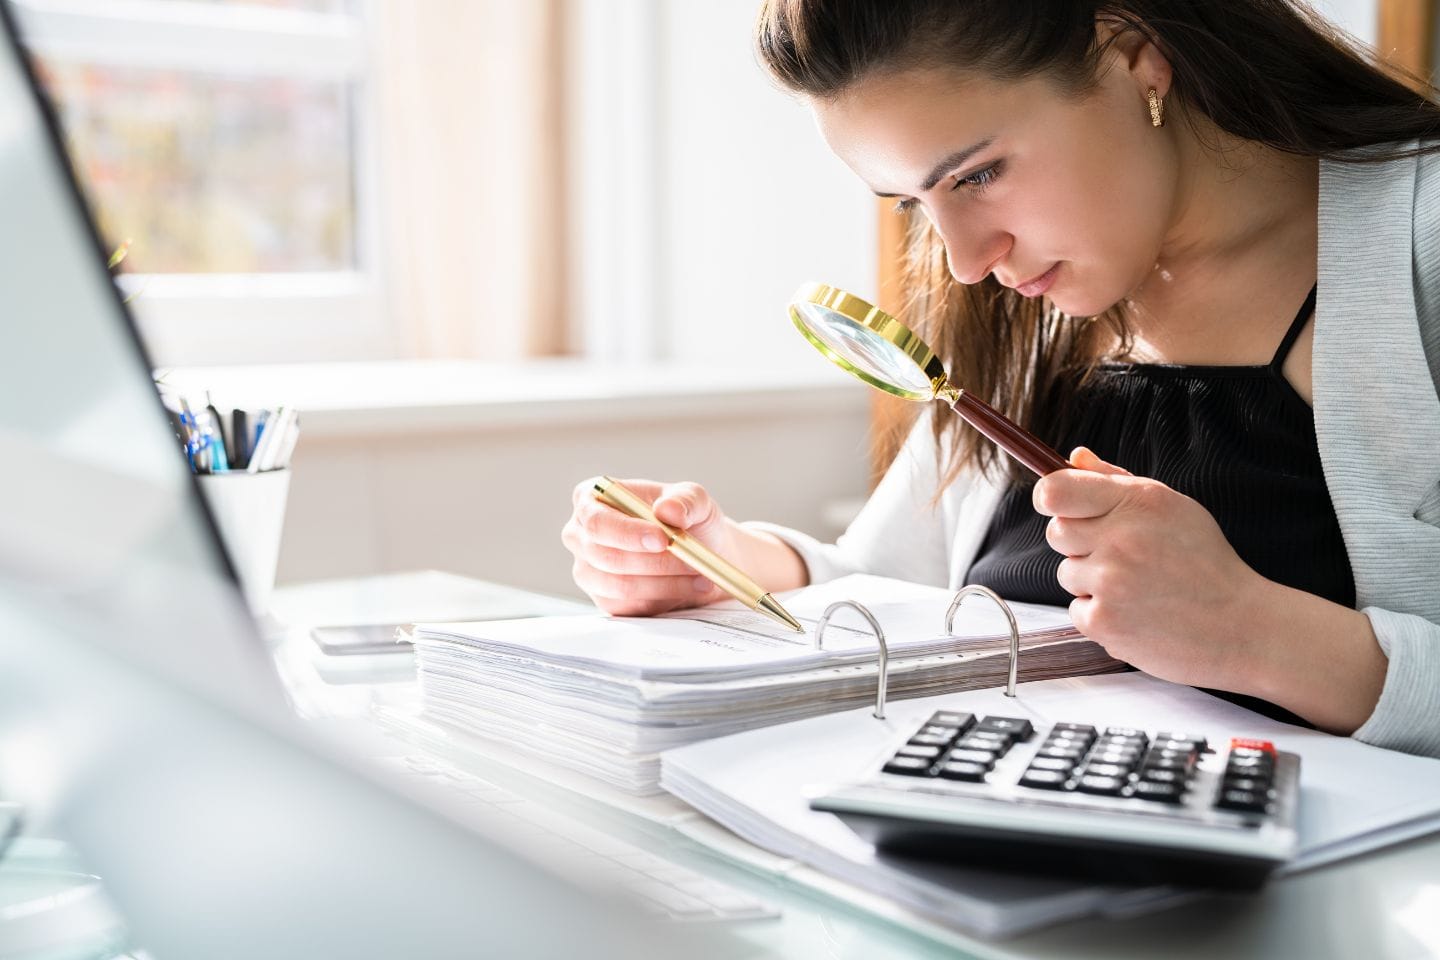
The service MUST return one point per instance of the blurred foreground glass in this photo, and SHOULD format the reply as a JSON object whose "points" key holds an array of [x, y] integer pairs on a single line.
{"points": [[214, 174], [311, 6]]}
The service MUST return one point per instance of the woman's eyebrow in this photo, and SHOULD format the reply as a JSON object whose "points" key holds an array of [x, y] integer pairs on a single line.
{"points": [[952, 161], [945, 166]]}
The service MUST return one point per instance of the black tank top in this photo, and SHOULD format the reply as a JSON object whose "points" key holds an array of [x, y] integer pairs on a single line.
{"points": [[1238, 439]]}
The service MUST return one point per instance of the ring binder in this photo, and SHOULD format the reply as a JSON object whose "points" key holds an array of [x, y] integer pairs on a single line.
{"points": [[879, 638], [969, 590], [974, 589]]}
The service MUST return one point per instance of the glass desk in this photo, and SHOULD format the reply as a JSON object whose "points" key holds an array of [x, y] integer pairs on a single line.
{"points": [[1381, 905]]}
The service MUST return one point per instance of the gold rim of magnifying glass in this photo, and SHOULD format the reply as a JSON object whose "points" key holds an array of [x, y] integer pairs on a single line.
{"points": [[879, 322]]}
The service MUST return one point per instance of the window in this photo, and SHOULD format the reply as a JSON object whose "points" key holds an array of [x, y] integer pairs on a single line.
{"points": [[645, 157], [230, 142]]}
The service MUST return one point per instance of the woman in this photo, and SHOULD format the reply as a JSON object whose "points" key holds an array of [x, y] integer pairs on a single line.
{"points": [[1197, 239]]}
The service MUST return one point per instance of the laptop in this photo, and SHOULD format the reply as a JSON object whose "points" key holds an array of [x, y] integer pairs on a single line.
{"points": [[140, 715]]}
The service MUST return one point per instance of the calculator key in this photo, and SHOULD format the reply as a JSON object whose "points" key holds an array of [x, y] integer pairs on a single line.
{"points": [[1078, 749], [1018, 727], [1163, 776], [1249, 763], [1162, 792], [1044, 779], [985, 746], [957, 721], [1183, 746], [932, 730], [1244, 800], [1243, 747], [1168, 761], [1117, 740], [930, 740], [1107, 769], [1250, 760], [909, 766], [919, 750], [986, 757], [1108, 786], [964, 770], [1084, 729], [1128, 755], [1070, 736], [1249, 767], [1052, 763], [1194, 739], [1061, 753], [1249, 784], [1125, 732], [1001, 741]]}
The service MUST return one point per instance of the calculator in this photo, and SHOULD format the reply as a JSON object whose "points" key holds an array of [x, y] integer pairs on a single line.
{"points": [[1072, 799]]}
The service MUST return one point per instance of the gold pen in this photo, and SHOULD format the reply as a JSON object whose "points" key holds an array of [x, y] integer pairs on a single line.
{"points": [[695, 554]]}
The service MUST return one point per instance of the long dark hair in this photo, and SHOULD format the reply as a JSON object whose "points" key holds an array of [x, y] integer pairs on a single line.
{"points": [[1270, 71]]}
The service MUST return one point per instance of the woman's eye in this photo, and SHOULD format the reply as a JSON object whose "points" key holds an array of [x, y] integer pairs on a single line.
{"points": [[978, 181]]}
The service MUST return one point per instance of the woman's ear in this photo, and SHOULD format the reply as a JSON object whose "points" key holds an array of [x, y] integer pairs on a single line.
{"points": [[1132, 51]]}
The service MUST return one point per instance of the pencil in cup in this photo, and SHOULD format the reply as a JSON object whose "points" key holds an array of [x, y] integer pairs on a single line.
{"points": [[696, 555]]}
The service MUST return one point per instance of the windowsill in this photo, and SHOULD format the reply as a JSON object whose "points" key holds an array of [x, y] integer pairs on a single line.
{"points": [[401, 396]]}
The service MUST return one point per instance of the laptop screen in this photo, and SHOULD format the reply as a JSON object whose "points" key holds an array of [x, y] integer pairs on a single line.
{"points": [[100, 513]]}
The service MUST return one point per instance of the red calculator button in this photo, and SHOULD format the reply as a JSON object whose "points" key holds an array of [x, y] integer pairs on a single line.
{"points": [[1264, 746]]}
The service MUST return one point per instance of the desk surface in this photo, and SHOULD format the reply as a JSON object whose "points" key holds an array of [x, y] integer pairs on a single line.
{"points": [[1385, 904]]}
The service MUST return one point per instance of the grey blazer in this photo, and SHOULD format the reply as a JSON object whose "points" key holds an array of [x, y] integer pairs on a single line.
{"points": [[1376, 366], [1377, 418]]}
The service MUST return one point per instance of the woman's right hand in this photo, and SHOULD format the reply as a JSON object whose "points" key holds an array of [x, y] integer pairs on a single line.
{"points": [[622, 563]]}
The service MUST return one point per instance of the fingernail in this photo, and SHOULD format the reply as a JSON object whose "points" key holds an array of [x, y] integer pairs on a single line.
{"points": [[653, 543], [702, 585]]}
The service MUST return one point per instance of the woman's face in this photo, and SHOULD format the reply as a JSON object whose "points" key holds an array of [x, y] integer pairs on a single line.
{"points": [[1053, 194]]}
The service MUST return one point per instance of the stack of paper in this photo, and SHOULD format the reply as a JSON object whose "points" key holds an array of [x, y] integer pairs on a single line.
{"points": [[1353, 797], [605, 695]]}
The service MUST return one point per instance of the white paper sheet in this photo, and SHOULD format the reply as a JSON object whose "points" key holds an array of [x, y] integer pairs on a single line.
{"points": [[728, 640]]}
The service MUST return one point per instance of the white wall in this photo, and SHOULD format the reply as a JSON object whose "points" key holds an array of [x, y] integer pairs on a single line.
{"points": [[1361, 18], [481, 487], [754, 199], [704, 194]]}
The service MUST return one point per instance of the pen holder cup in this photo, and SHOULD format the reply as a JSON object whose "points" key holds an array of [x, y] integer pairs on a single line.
{"points": [[249, 510]]}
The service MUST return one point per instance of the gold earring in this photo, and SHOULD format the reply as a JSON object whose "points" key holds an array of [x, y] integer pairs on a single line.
{"points": [[1157, 109]]}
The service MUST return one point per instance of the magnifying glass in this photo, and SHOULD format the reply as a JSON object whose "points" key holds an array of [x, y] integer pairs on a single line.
{"points": [[869, 343]]}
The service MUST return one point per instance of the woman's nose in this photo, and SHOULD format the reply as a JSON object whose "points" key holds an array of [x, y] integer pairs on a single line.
{"points": [[971, 252]]}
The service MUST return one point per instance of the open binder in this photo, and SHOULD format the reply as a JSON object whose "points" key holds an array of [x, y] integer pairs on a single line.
{"points": [[1354, 797], [605, 695]]}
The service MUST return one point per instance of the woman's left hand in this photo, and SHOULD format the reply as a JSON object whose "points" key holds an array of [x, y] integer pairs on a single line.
{"points": [[1155, 581]]}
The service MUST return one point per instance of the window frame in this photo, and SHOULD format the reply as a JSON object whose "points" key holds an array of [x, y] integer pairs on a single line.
{"points": [[235, 317]]}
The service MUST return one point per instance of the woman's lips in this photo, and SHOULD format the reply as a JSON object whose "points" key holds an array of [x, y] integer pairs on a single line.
{"points": [[1038, 286]]}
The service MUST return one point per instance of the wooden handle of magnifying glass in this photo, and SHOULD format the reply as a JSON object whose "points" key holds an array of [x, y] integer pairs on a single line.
{"points": [[1008, 435]]}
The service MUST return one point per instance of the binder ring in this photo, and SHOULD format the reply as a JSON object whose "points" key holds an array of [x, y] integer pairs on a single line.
{"points": [[879, 638], [975, 589]]}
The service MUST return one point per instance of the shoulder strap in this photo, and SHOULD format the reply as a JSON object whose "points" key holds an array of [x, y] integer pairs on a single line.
{"points": [[1296, 325]]}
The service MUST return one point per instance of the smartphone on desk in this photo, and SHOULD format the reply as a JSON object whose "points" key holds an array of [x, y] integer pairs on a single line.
{"points": [[366, 639]]}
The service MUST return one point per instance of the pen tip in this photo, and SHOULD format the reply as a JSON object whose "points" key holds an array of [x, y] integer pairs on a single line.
{"points": [[770, 606]]}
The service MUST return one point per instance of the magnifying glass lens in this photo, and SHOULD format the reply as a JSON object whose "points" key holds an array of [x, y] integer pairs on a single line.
{"points": [[883, 352], [864, 349]]}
